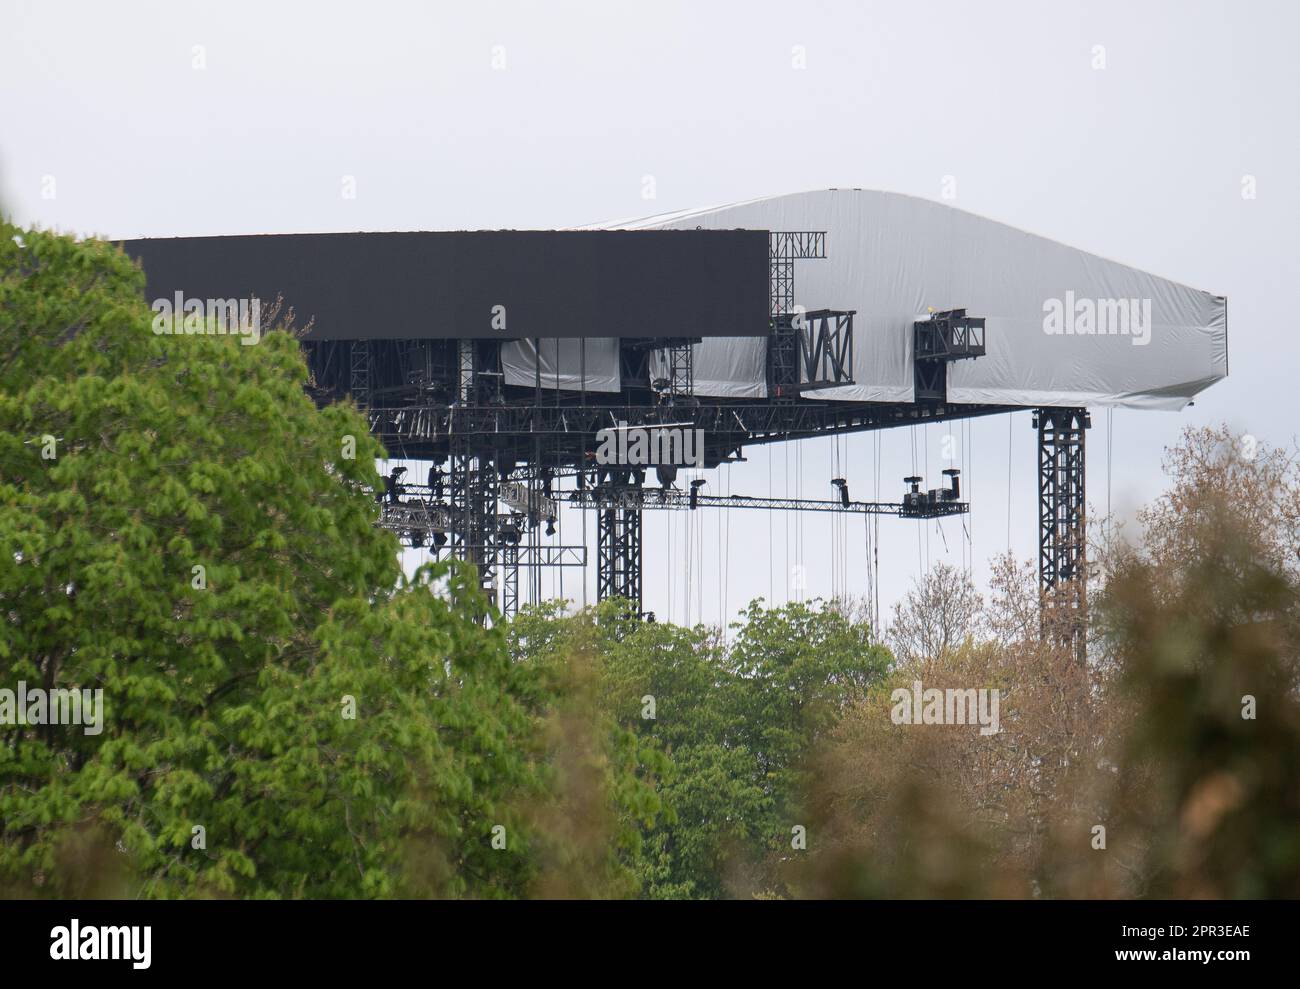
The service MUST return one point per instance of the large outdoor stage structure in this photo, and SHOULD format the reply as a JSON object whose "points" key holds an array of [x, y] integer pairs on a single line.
{"points": [[514, 362]]}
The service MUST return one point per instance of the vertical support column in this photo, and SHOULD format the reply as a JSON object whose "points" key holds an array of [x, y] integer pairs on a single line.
{"points": [[472, 481], [681, 371], [459, 465], [679, 360], [534, 483], [359, 372], [1062, 526], [783, 351], [486, 494], [465, 371], [618, 555], [784, 247], [510, 579]]}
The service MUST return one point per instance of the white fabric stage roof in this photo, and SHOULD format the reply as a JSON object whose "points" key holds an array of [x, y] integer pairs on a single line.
{"points": [[1064, 327]]}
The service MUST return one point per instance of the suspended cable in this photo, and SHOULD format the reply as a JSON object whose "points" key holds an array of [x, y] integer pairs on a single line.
{"points": [[875, 545], [796, 585], [785, 448], [559, 514], [1110, 436], [925, 440], [686, 584], [726, 582], [672, 535], [699, 542], [835, 575], [797, 519], [721, 611], [920, 566], [971, 427], [1010, 417], [584, 555], [968, 462], [844, 559], [870, 582]]}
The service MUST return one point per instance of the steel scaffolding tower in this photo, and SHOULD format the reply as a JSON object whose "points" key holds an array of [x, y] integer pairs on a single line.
{"points": [[472, 484], [618, 555], [784, 247], [1062, 525]]}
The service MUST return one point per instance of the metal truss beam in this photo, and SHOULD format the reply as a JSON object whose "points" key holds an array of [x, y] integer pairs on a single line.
{"points": [[415, 515], [651, 499], [569, 430], [527, 556]]}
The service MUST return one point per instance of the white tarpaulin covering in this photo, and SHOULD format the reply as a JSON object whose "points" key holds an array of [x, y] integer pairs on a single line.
{"points": [[566, 363], [1064, 327]]}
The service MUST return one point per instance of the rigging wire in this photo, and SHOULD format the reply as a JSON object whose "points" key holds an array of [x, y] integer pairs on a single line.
{"points": [[870, 584], [559, 515], [920, 567], [584, 556], [798, 521], [686, 584], [1010, 417], [925, 440], [672, 536], [840, 541], [845, 588], [835, 563], [1110, 436], [798, 524], [844, 558], [968, 458], [785, 449], [721, 611], [771, 552], [699, 542], [971, 427], [726, 583], [875, 535]]}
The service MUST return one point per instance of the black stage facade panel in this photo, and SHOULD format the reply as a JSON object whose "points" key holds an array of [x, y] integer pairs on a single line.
{"points": [[550, 283]]}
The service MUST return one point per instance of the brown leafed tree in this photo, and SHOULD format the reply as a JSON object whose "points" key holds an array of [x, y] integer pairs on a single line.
{"points": [[940, 613]]}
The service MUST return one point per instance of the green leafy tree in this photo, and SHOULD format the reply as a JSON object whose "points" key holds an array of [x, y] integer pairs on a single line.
{"points": [[801, 667], [184, 530], [736, 722]]}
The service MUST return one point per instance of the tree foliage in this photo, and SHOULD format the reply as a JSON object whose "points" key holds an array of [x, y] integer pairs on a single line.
{"points": [[200, 547], [735, 722]]}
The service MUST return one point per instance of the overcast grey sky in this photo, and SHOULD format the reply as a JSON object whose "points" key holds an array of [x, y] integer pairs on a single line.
{"points": [[152, 119]]}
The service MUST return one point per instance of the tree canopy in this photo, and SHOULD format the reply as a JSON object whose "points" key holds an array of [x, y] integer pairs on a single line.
{"points": [[187, 532]]}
